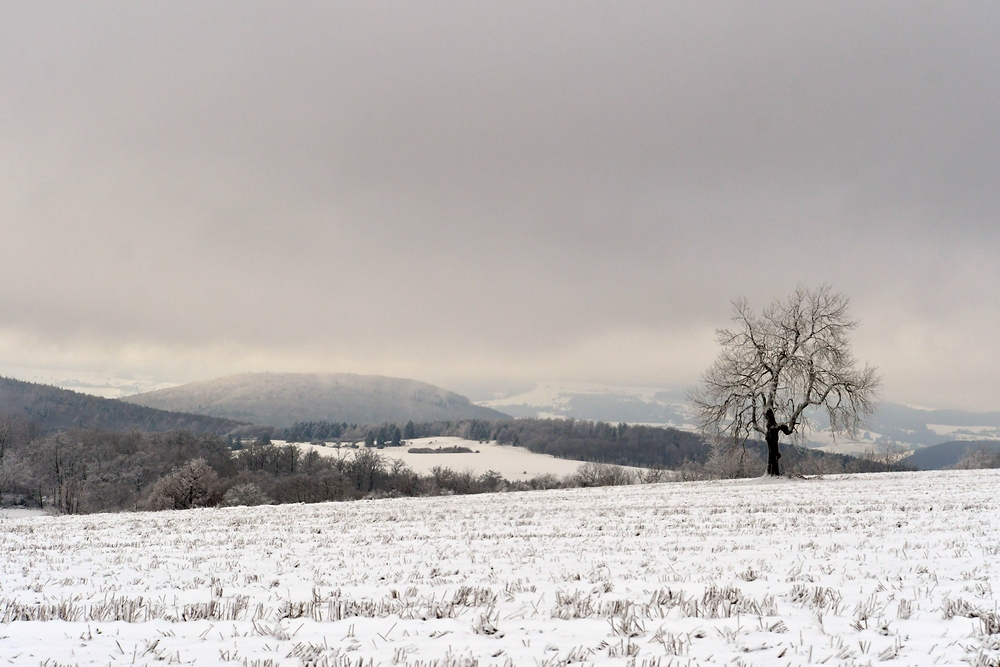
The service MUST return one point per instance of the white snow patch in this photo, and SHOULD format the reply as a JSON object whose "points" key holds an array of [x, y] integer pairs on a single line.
{"points": [[965, 432], [514, 463]]}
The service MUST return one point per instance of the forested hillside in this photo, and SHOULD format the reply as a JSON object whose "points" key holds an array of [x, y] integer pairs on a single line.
{"points": [[89, 470], [281, 399], [51, 408]]}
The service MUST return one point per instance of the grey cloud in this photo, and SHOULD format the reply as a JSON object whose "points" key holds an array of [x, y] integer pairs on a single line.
{"points": [[466, 191]]}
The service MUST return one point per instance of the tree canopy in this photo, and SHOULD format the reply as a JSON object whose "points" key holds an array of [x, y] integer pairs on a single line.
{"points": [[774, 366]]}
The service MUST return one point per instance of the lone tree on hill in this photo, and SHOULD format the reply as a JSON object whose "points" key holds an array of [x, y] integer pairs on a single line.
{"points": [[774, 366]]}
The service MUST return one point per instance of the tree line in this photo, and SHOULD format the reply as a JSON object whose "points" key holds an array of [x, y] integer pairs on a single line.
{"points": [[383, 435], [90, 470], [614, 444]]}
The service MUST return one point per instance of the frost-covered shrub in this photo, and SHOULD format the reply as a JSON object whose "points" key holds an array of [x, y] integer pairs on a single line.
{"points": [[979, 458], [245, 494], [544, 481], [191, 485], [731, 462], [603, 474]]}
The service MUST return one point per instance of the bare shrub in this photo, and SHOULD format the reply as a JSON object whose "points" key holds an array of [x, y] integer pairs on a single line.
{"points": [[194, 484], [654, 475], [979, 458], [603, 474], [248, 494], [545, 481], [451, 481], [492, 481], [730, 460], [366, 469]]}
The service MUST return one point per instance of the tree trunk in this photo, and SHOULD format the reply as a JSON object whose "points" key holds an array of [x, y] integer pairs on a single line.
{"points": [[772, 452]]}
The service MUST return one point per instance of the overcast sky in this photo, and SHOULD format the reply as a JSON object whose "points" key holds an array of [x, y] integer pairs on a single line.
{"points": [[482, 194]]}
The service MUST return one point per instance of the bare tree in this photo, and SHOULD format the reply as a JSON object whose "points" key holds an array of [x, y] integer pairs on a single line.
{"points": [[773, 366]]}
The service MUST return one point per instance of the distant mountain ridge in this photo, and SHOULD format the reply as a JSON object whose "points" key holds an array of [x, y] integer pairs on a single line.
{"points": [[948, 454], [282, 399], [932, 427], [595, 402], [893, 424], [52, 409]]}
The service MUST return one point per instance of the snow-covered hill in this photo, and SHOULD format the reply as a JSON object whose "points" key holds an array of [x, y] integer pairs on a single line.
{"points": [[281, 399]]}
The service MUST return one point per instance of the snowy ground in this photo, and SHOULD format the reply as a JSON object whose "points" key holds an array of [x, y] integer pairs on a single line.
{"points": [[514, 463], [11, 512], [842, 570]]}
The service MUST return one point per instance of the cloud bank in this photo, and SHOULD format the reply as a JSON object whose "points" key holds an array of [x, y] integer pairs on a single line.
{"points": [[481, 195]]}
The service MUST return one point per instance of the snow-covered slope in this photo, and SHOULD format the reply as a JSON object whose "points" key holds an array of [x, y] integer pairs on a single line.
{"points": [[514, 463], [281, 399], [857, 570]]}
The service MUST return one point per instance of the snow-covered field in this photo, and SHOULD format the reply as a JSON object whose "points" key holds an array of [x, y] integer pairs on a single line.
{"points": [[841, 570], [966, 432], [514, 463]]}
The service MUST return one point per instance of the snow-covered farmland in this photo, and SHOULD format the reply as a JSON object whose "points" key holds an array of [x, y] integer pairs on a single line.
{"points": [[514, 463], [841, 570]]}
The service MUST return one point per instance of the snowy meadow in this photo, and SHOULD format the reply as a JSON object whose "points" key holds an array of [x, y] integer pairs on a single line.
{"points": [[513, 463], [847, 570]]}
